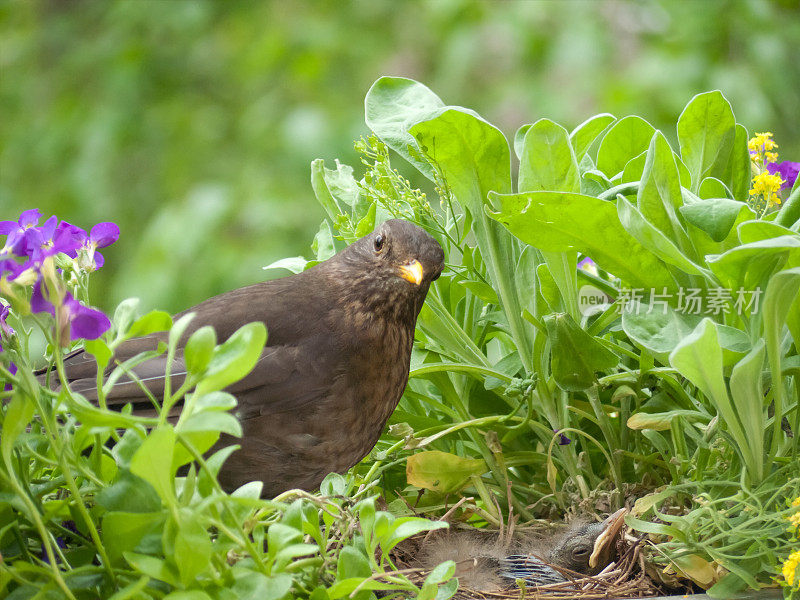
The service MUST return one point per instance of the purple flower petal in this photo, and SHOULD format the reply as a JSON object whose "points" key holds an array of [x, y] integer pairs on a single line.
{"points": [[788, 171], [49, 228], [38, 302], [85, 323], [104, 234], [29, 218], [99, 261], [5, 327], [563, 440], [11, 266], [7, 227], [12, 368], [586, 262]]}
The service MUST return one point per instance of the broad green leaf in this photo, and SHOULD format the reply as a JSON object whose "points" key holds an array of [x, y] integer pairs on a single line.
{"points": [[128, 494], [706, 133], [711, 187], [481, 290], [660, 191], [780, 298], [122, 531], [16, 419], [403, 528], [152, 322], [757, 230], [101, 352], [153, 461], [698, 357], [519, 138], [293, 264], [634, 169], [560, 221], [216, 421], [698, 569], [352, 563], [716, 216], [153, 567], [653, 238], [441, 572], [199, 350], [748, 400], [441, 471], [737, 173], [392, 106], [548, 162], [193, 546], [367, 222], [549, 290], [235, 358], [749, 265], [323, 245], [628, 138], [661, 329], [252, 585], [789, 214], [188, 595], [586, 133], [576, 355], [473, 156]]}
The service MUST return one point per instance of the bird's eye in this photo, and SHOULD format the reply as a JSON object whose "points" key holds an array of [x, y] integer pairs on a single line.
{"points": [[580, 551], [379, 240]]}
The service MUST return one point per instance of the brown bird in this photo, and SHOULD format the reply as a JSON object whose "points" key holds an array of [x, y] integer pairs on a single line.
{"points": [[484, 565], [334, 367]]}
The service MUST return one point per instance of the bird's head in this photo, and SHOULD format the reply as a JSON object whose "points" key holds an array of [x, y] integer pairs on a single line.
{"points": [[587, 548], [397, 262]]}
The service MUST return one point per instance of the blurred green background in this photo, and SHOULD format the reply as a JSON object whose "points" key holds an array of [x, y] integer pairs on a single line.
{"points": [[192, 123]]}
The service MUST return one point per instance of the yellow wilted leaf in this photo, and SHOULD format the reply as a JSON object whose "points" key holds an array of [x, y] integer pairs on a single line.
{"points": [[698, 569], [441, 471]]}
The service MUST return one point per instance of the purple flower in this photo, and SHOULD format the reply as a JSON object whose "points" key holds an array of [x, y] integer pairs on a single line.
{"points": [[787, 170], [8, 265], [563, 440], [5, 327], [50, 239], [102, 235], [15, 230], [77, 321]]}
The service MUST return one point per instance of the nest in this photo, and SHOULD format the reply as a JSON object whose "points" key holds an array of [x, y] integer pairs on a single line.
{"points": [[625, 577]]}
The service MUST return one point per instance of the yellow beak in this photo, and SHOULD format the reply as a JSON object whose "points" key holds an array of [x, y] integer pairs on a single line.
{"points": [[603, 544], [412, 272]]}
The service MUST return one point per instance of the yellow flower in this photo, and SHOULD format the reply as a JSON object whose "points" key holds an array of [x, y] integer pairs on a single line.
{"points": [[794, 519], [762, 142], [771, 157], [767, 184], [790, 566]]}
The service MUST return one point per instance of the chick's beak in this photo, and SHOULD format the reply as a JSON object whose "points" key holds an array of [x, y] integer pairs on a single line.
{"points": [[604, 545], [412, 272]]}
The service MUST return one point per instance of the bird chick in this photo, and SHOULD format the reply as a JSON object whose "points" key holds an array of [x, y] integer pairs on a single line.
{"points": [[483, 565]]}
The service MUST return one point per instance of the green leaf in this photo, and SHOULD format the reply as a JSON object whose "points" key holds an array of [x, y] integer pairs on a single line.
{"points": [[188, 595], [323, 245], [352, 563], [252, 585], [293, 264], [749, 265], [588, 131], [153, 461], [716, 216], [367, 222], [711, 187], [481, 290], [748, 401], [193, 547], [212, 421], [660, 191], [442, 471], [122, 531], [441, 572], [698, 357], [560, 221], [706, 133], [235, 358], [548, 162], [17, 417], [737, 173], [392, 105], [405, 527], [576, 355], [653, 238], [628, 138], [199, 350], [152, 322], [661, 330], [101, 352], [128, 494], [153, 567]]}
